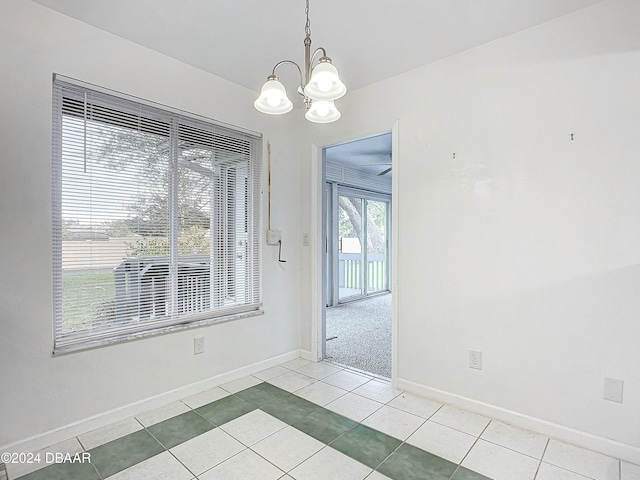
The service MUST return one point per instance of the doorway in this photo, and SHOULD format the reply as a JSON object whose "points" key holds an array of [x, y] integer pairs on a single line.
{"points": [[357, 261]]}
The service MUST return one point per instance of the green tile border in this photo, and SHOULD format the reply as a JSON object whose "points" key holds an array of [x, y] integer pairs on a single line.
{"points": [[124, 452], [290, 408], [373, 448], [64, 471], [412, 463], [325, 425], [224, 410], [366, 445], [465, 474], [179, 429]]}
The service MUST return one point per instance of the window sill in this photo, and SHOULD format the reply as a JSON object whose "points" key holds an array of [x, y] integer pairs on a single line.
{"points": [[90, 344]]}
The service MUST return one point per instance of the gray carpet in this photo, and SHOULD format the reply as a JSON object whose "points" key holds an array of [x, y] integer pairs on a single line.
{"points": [[363, 331]]}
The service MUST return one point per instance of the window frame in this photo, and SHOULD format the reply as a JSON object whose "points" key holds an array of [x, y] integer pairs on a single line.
{"points": [[127, 105]]}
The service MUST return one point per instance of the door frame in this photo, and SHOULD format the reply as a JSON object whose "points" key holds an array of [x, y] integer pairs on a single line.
{"points": [[319, 244]]}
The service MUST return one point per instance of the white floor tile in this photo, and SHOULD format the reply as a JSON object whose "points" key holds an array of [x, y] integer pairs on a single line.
{"points": [[517, 439], [203, 398], [15, 470], [377, 476], [551, 472], [241, 384], [270, 373], [292, 381], [443, 441], [582, 461], [379, 391], [207, 450], [354, 406], [247, 465], [423, 407], [319, 370], [296, 364], [160, 414], [321, 393], [288, 448], [394, 422], [330, 464], [106, 434], [253, 427], [462, 420], [629, 471], [500, 463], [346, 380], [160, 467]]}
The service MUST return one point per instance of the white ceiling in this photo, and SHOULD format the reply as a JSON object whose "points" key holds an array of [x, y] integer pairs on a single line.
{"points": [[371, 155], [368, 40]]}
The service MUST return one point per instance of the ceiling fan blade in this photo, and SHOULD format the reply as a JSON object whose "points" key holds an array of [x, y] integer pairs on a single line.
{"points": [[384, 172]]}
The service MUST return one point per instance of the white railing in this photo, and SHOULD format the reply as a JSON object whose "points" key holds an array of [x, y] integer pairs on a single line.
{"points": [[143, 290]]}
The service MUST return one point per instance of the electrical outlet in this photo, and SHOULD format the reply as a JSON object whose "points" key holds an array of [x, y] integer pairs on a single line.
{"points": [[613, 389], [198, 345], [305, 239], [475, 359], [274, 237]]}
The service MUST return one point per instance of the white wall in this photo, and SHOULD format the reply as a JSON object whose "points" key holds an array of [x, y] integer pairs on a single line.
{"points": [[525, 245], [41, 393]]}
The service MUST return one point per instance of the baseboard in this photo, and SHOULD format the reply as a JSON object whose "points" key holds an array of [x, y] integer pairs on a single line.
{"points": [[578, 438], [60, 434], [307, 355]]}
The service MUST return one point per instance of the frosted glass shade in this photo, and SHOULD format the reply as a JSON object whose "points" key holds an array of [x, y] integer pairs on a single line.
{"points": [[322, 111], [273, 98], [325, 83]]}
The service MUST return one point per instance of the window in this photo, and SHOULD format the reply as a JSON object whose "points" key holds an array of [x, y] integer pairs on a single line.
{"points": [[155, 218]]}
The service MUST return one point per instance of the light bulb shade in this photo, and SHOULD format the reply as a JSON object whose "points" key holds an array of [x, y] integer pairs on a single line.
{"points": [[273, 98], [325, 83], [322, 111]]}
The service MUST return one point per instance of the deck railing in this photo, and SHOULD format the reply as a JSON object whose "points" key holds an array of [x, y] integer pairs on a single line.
{"points": [[350, 271], [143, 290]]}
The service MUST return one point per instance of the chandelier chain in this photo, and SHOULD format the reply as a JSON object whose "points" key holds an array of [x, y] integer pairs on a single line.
{"points": [[307, 27]]}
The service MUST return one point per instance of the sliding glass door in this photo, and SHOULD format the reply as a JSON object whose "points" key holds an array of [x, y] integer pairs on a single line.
{"points": [[361, 244]]}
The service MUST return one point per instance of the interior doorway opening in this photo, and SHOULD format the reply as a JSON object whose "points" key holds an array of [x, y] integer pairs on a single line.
{"points": [[357, 263]]}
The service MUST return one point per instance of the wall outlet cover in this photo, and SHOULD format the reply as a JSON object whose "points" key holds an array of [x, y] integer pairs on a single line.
{"points": [[613, 389], [475, 359], [198, 345]]}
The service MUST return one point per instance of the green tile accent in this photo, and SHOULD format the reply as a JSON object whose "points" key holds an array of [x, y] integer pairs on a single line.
{"points": [[465, 474], [179, 429], [411, 463], [226, 409], [325, 425], [388, 455], [366, 445], [290, 408], [124, 452], [262, 394], [64, 471]]}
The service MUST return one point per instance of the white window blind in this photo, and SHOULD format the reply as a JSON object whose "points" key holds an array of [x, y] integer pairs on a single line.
{"points": [[155, 218]]}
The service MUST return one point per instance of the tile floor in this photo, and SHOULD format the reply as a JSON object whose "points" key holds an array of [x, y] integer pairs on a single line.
{"points": [[308, 421]]}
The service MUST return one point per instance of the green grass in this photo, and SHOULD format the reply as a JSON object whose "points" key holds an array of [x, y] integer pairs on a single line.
{"points": [[87, 297]]}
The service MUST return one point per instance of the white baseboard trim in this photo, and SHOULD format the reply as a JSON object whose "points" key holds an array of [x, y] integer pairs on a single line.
{"points": [[622, 451], [74, 429], [307, 355]]}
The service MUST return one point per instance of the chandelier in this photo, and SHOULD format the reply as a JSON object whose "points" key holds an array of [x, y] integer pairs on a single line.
{"points": [[319, 86]]}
